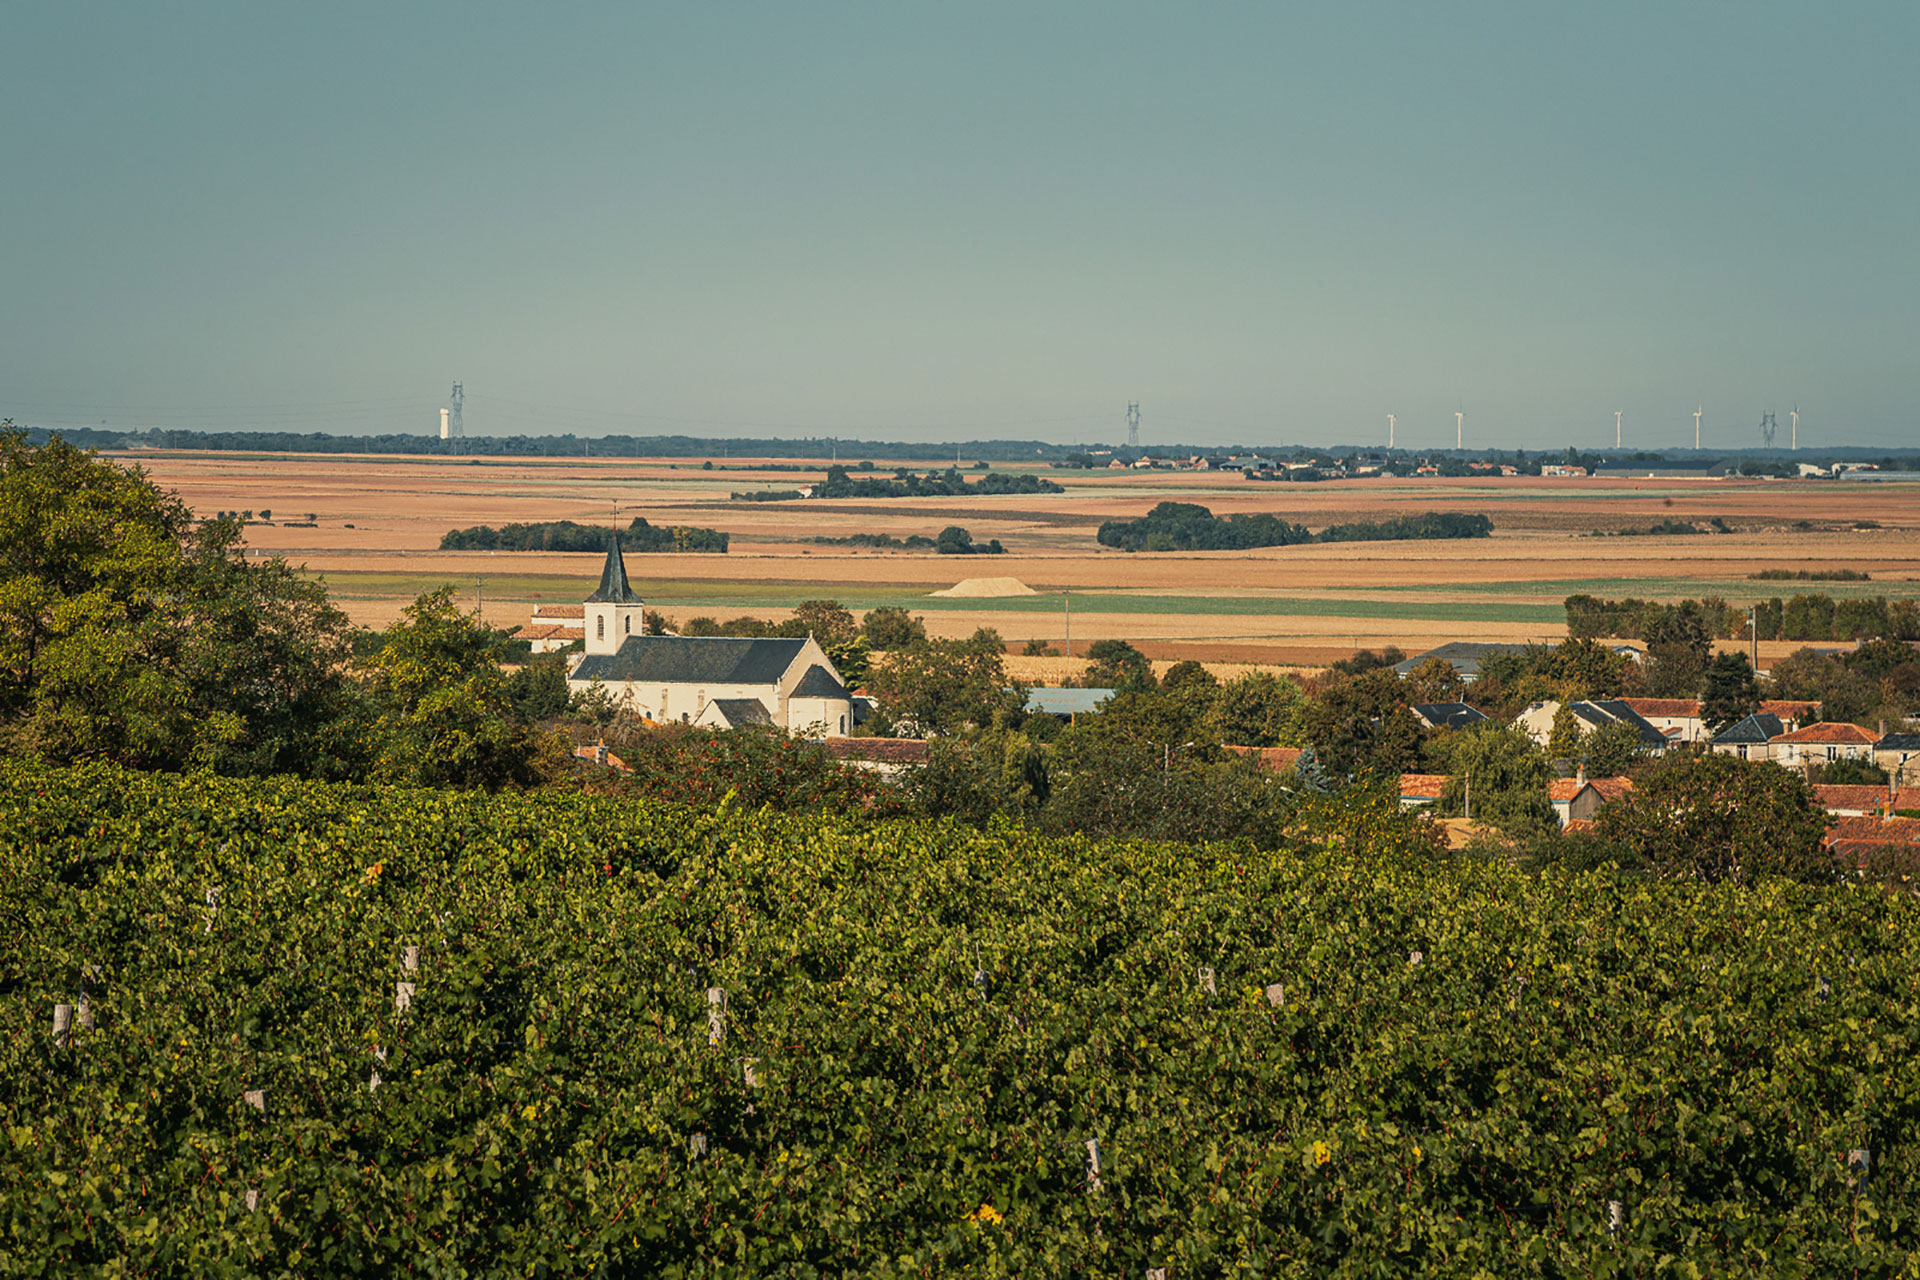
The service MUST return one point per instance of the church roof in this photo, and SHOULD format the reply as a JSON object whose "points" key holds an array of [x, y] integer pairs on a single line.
{"points": [[614, 588], [818, 683], [691, 660], [739, 711]]}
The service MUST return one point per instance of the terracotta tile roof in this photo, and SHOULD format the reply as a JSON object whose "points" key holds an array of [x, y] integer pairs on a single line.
{"points": [[1581, 827], [879, 750], [1670, 707], [591, 756], [1422, 786], [1789, 710], [1563, 790], [544, 611], [1864, 799], [545, 631], [1278, 759], [1838, 733], [1877, 832]]}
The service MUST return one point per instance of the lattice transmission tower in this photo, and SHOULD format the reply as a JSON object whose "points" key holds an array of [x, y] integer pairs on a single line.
{"points": [[1133, 424], [454, 429]]}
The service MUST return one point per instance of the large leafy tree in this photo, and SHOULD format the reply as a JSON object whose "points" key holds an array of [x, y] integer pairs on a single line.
{"points": [[1362, 725], [1730, 692], [1259, 709], [446, 714], [942, 685], [129, 631], [1501, 771], [1712, 817]]}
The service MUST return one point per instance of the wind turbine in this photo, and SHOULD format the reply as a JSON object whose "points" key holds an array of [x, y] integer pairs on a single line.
{"points": [[1459, 420], [1696, 426], [1616, 428], [1794, 414], [1389, 431]]}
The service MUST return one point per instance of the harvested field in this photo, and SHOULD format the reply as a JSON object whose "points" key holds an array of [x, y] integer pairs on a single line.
{"points": [[1306, 604]]}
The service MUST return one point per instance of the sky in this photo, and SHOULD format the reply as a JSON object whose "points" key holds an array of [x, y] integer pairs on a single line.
{"points": [[1266, 223]]}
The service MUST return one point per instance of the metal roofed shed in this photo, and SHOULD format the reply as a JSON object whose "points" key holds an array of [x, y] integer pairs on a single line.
{"points": [[1050, 701], [1464, 656]]}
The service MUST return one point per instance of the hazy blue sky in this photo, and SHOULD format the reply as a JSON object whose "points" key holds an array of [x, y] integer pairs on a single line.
{"points": [[1265, 222]]}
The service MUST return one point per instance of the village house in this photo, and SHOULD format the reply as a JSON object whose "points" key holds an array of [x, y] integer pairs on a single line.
{"points": [[1751, 738], [1823, 744], [1899, 755], [1446, 715], [1580, 798], [1866, 800], [554, 627], [1538, 719], [716, 682], [1421, 790]]}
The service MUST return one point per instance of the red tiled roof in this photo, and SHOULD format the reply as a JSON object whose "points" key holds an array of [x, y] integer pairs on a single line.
{"points": [[560, 611], [545, 631], [1422, 786], [1278, 759], [1867, 799], [879, 750], [1671, 707], [1788, 710], [614, 762], [1874, 831], [1582, 826], [1563, 790], [1839, 733]]}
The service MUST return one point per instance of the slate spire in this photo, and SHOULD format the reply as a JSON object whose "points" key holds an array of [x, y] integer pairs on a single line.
{"points": [[614, 588]]}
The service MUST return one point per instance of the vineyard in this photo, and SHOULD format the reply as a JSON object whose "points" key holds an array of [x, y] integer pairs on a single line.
{"points": [[320, 1029]]}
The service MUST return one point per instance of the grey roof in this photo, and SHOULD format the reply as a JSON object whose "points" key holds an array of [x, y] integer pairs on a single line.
{"points": [[1899, 742], [818, 682], [614, 588], [1066, 702], [1756, 730], [1448, 715], [691, 660], [1465, 656], [739, 711], [1617, 712]]}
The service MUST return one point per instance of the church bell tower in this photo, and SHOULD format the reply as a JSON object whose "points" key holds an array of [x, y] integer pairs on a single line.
{"points": [[616, 610]]}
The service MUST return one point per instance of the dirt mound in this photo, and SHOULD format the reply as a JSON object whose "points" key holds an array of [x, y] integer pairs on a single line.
{"points": [[987, 588]]}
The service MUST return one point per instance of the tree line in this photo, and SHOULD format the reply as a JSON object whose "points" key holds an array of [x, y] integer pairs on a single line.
{"points": [[1806, 616], [1188, 526], [565, 535]]}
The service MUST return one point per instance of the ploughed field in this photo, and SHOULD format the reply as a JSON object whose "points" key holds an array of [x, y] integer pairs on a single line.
{"points": [[1303, 603], [343, 1030]]}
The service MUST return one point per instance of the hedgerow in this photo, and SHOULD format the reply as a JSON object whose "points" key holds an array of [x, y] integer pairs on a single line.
{"points": [[1341, 1058]]}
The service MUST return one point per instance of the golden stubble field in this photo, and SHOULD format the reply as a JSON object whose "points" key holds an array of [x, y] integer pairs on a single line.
{"points": [[379, 522]]}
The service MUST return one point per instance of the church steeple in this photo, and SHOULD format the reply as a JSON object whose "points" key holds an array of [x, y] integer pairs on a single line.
{"points": [[614, 588], [616, 610]]}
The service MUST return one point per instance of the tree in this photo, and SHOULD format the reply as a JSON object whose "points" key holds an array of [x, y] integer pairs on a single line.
{"points": [[1259, 709], [1434, 680], [1729, 692], [1502, 770], [1563, 743], [1712, 817], [1612, 749], [538, 690], [129, 632], [890, 627], [1116, 663], [1360, 725], [655, 623], [445, 716], [1853, 772], [954, 541], [941, 685], [827, 621]]}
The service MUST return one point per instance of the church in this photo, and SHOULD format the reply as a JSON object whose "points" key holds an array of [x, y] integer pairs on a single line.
{"points": [[718, 683]]}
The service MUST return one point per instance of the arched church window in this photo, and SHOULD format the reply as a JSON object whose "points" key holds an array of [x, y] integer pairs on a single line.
{"points": [[599, 628], [626, 625]]}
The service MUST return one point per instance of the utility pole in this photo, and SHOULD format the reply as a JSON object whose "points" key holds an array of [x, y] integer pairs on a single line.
{"points": [[1753, 635], [479, 596], [1066, 599]]}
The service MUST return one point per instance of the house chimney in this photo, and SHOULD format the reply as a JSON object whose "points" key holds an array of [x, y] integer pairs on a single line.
{"points": [[600, 752], [1580, 778]]}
